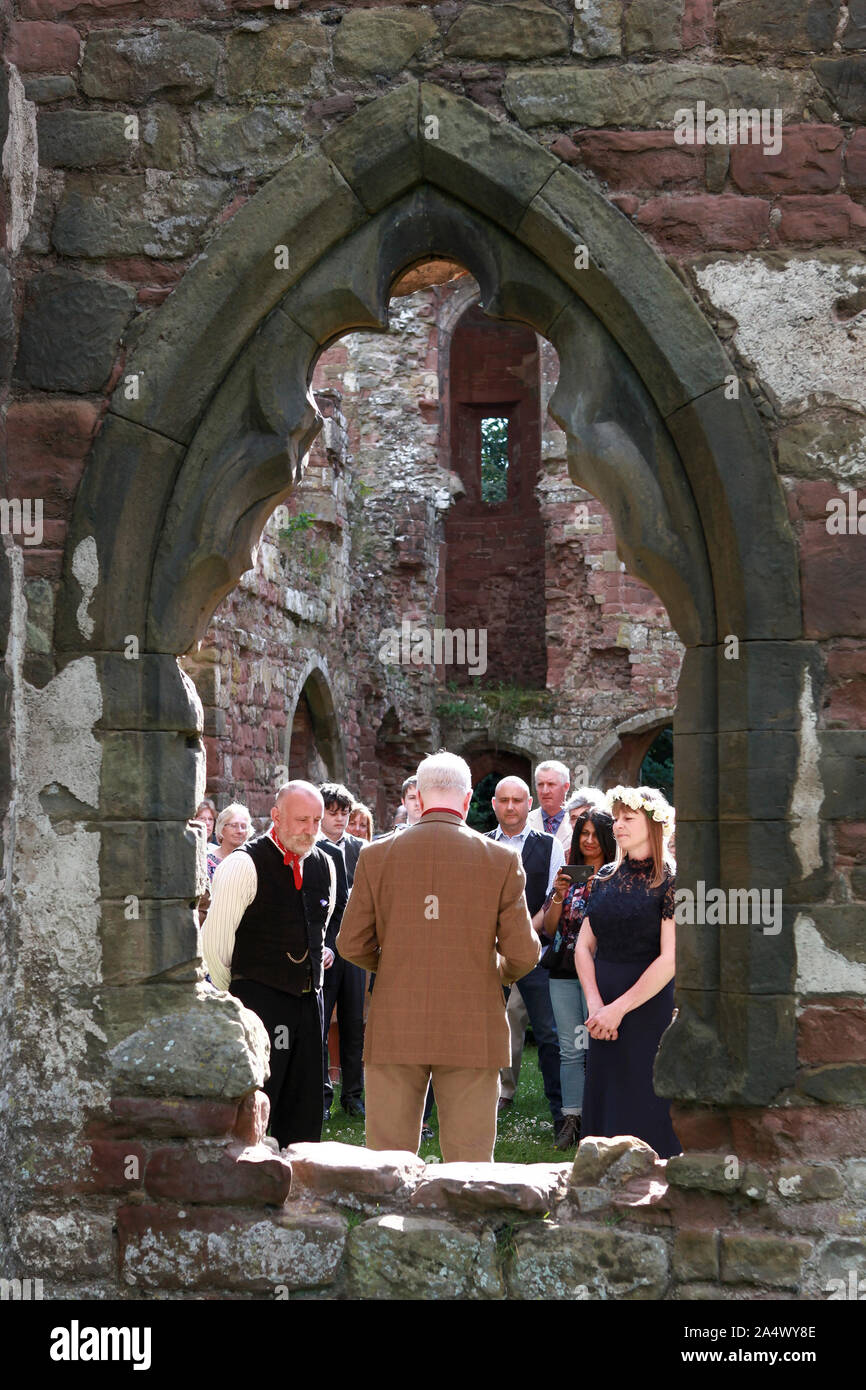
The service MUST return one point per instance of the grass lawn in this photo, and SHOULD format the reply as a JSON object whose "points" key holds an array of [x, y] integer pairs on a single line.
{"points": [[524, 1133]]}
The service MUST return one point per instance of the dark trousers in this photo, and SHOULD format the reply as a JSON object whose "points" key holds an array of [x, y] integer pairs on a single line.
{"points": [[294, 1087], [535, 988], [344, 989]]}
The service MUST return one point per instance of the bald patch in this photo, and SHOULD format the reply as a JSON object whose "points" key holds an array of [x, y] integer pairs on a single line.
{"points": [[511, 782], [299, 788]]}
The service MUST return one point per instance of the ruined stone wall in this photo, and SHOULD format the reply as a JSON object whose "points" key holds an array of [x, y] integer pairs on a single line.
{"points": [[156, 124]]}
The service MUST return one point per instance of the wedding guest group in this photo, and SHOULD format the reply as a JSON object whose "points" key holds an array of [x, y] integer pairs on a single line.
{"points": [[562, 917]]}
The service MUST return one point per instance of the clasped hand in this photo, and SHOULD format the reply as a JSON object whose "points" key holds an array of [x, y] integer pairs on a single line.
{"points": [[604, 1023]]}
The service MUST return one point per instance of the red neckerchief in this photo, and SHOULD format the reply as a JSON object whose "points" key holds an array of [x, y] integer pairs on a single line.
{"points": [[289, 857]]}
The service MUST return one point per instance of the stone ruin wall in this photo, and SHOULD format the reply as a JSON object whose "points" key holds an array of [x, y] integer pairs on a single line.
{"points": [[223, 94], [321, 595]]}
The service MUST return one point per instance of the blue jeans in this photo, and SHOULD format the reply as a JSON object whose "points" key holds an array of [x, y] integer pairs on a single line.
{"points": [[535, 988], [569, 1009]]}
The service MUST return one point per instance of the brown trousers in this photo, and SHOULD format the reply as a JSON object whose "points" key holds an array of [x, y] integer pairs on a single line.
{"points": [[465, 1099]]}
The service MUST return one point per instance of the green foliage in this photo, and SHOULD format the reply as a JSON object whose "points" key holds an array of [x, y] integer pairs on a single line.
{"points": [[499, 702], [481, 815], [301, 522], [657, 768], [494, 459]]}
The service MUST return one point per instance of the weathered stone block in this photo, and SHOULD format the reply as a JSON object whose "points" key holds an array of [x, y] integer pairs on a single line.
{"points": [[759, 26], [646, 94], [843, 773], [706, 1172], [150, 775], [381, 162], [611, 1160], [688, 226], [149, 940], [414, 1257], [150, 859], [151, 692], [760, 1259], [116, 1165], [525, 29], [47, 442], [70, 330], [855, 161], [696, 1255], [278, 59], [812, 221], [223, 1249], [463, 141], [65, 1245], [580, 1262], [641, 159], [653, 26], [119, 66], [83, 139], [256, 142], [345, 1168], [128, 215], [844, 1085], [369, 43], [844, 81], [597, 29], [34, 46], [808, 1182], [214, 1175], [49, 88], [809, 161], [531, 1187], [251, 1123], [832, 1031], [161, 1117], [215, 1048]]}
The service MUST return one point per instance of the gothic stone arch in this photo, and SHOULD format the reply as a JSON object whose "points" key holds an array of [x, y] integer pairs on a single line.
{"points": [[181, 480]]}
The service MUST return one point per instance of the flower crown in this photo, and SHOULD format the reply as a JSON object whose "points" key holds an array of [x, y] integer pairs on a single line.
{"points": [[660, 811]]}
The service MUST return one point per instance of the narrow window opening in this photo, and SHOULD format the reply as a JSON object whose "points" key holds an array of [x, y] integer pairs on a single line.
{"points": [[494, 458]]}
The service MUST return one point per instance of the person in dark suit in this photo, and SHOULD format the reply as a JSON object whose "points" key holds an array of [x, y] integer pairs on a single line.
{"points": [[344, 982], [264, 940], [542, 857]]}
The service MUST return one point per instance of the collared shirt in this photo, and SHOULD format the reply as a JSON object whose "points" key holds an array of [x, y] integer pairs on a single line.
{"points": [[234, 887], [515, 842], [552, 823]]}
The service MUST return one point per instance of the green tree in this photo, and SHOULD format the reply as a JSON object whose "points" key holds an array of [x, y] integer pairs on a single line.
{"points": [[494, 459]]}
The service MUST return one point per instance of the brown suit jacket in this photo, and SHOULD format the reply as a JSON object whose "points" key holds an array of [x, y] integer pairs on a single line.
{"points": [[438, 996]]}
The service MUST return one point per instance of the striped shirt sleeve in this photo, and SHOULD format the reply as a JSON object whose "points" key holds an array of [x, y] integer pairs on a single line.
{"points": [[233, 889]]}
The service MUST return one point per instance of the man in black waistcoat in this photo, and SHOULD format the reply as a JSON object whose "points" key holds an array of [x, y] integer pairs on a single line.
{"points": [[264, 940], [542, 857], [345, 983]]}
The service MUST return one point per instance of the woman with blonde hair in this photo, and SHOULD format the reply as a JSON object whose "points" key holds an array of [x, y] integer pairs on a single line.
{"points": [[625, 961], [233, 828]]}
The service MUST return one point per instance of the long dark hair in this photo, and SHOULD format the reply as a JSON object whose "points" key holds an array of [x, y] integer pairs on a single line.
{"points": [[602, 823]]}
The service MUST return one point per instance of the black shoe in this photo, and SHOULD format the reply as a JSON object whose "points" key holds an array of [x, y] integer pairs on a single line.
{"points": [[355, 1108], [568, 1132], [327, 1115], [503, 1104], [427, 1133]]}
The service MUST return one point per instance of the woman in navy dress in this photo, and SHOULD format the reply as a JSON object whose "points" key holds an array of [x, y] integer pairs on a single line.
{"points": [[625, 960]]}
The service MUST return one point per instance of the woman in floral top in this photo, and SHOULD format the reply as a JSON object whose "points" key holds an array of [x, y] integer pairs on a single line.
{"points": [[592, 844]]}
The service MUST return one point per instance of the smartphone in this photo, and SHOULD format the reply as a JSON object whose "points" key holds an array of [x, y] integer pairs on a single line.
{"points": [[578, 873]]}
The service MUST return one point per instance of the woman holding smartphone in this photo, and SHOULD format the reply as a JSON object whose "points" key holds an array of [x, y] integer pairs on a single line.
{"points": [[625, 960], [592, 845]]}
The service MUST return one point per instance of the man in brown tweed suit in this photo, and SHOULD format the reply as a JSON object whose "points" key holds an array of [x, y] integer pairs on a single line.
{"points": [[439, 913]]}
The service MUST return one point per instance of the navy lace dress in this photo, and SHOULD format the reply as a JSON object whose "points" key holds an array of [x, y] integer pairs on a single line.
{"points": [[625, 915]]}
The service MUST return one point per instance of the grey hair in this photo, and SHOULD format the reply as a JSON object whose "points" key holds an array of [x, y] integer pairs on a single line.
{"points": [[586, 796], [551, 765], [226, 815], [444, 772]]}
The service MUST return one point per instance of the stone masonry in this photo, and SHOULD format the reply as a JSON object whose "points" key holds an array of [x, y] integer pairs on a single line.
{"points": [[203, 200]]}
